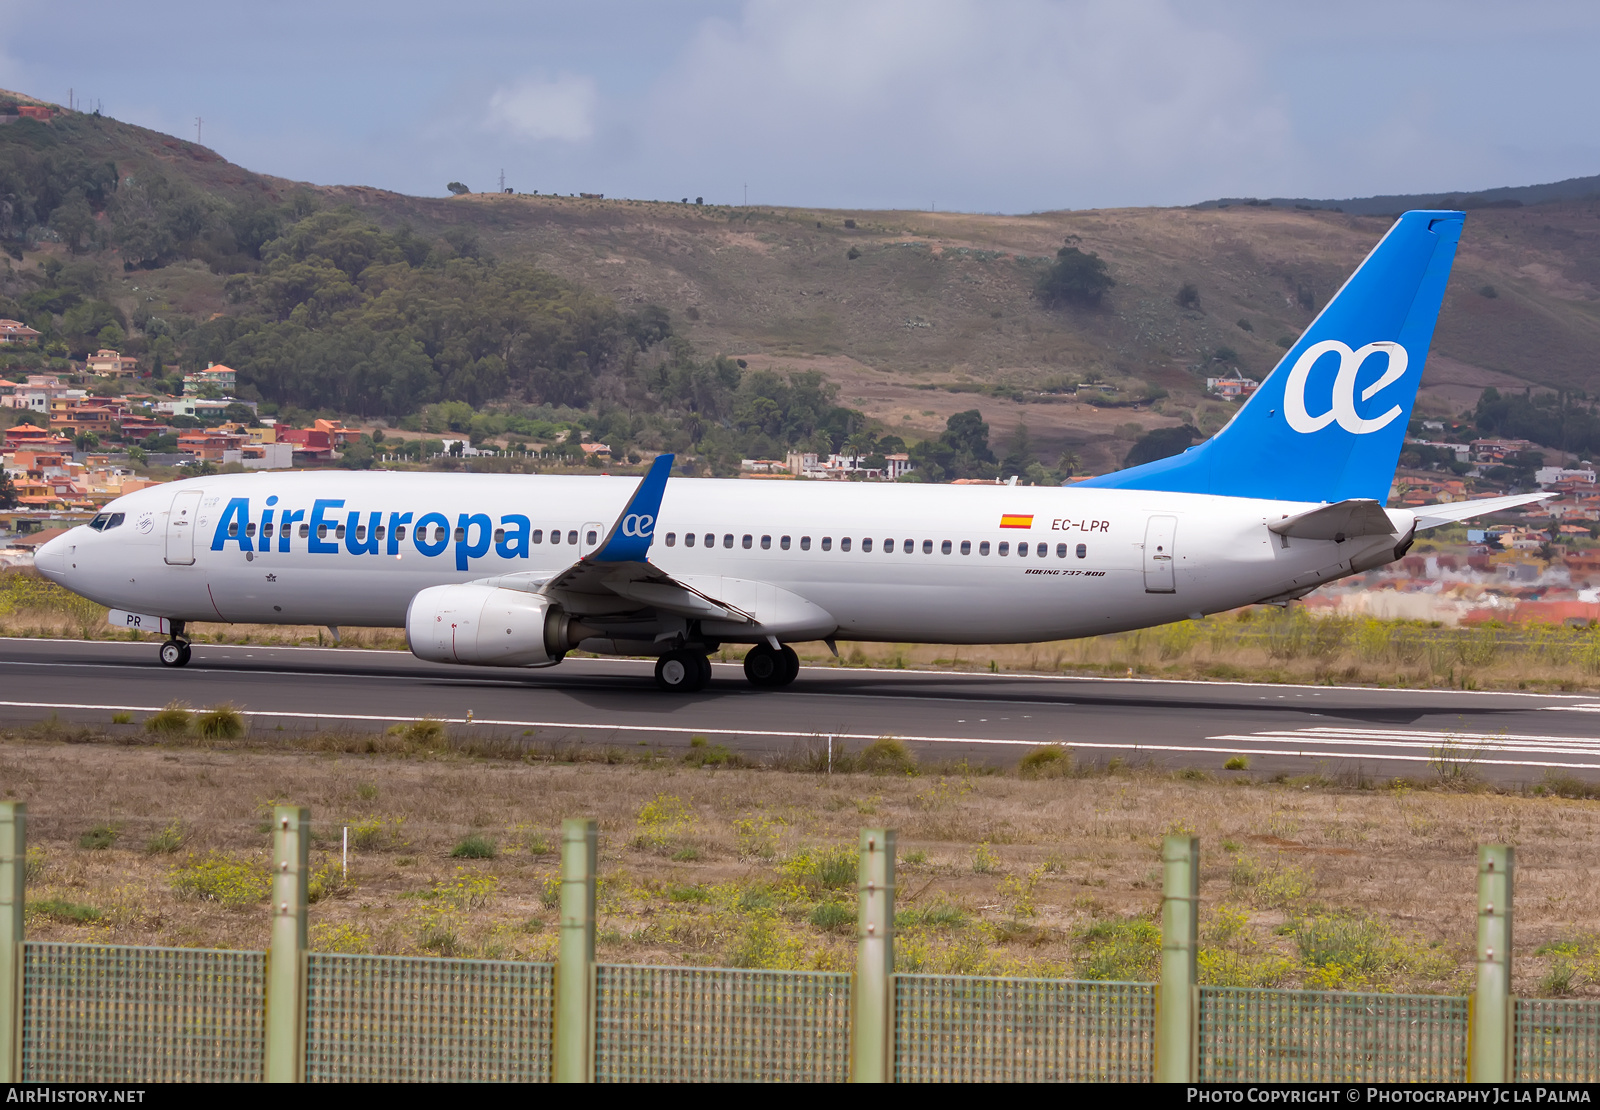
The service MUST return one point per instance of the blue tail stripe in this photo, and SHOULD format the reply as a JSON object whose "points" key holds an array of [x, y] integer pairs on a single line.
{"points": [[1327, 424]]}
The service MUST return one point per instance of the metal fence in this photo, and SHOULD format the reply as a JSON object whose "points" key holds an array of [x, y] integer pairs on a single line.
{"points": [[654, 1024], [1557, 1041], [1257, 1035], [112, 1014], [968, 1029], [393, 1018], [101, 1013]]}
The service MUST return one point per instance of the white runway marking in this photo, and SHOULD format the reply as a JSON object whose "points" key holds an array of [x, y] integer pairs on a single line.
{"points": [[1455, 747]]}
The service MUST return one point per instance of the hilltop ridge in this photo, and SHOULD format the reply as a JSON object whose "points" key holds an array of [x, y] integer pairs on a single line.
{"points": [[918, 315]]}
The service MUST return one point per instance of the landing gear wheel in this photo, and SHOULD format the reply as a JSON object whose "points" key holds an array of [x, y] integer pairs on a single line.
{"points": [[682, 671], [770, 669], [175, 653]]}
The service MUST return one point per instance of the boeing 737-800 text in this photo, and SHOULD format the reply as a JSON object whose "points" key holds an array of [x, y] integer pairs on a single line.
{"points": [[516, 571]]}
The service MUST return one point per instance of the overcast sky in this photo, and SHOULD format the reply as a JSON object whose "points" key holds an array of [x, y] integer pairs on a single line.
{"points": [[981, 105]]}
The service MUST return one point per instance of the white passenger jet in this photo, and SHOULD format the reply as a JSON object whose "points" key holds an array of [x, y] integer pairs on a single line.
{"points": [[516, 571]]}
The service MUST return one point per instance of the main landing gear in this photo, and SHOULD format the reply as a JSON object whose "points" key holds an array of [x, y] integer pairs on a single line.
{"points": [[769, 668], [683, 671], [175, 652]]}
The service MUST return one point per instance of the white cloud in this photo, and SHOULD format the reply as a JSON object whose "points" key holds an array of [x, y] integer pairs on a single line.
{"points": [[991, 103], [535, 110]]}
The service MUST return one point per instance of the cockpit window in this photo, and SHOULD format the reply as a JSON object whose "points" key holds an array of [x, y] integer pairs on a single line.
{"points": [[105, 521]]}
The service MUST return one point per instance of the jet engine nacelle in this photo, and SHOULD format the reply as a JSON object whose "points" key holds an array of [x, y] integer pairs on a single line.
{"points": [[486, 626]]}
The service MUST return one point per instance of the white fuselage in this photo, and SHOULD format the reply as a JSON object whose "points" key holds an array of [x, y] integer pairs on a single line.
{"points": [[1097, 560]]}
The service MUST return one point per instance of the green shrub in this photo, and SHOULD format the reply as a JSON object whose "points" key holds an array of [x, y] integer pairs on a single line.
{"points": [[662, 820], [98, 838], [984, 860], [170, 721], [821, 868], [685, 854], [1049, 761], [223, 877], [1124, 949], [220, 722], [474, 847], [1558, 978], [1237, 763], [940, 915], [832, 916], [121, 718], [167, 841], [887, 755], [68, 913]]}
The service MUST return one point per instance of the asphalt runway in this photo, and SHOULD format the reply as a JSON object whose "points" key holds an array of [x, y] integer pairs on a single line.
{"points": [[944, 716]]}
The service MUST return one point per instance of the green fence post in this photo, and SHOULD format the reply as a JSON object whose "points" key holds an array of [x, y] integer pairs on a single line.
{"points": [[1489, 1027], [872, 992], [1178, 996], [13, 896], [286, 958], [574, 1048]]}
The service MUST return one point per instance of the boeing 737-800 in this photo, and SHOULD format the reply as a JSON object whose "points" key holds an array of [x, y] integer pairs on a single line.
{"points": [[516, 571]]}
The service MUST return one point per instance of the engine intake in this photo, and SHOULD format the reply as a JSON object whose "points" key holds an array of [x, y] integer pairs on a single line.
{"points": [[486, 626]]}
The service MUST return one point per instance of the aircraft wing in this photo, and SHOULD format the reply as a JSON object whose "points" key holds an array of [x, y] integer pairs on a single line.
{"points": [[1431, 516], [617, 577]]}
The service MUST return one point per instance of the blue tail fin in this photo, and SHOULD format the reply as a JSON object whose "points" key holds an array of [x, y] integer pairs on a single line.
{"points": [[1328, 422]]}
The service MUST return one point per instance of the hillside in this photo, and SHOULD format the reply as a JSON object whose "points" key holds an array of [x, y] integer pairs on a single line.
{"points": [[913, 315]]}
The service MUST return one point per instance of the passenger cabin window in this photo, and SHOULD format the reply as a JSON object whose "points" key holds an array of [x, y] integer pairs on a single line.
{"points": [[249, 529], [305, 530], [461, 533], [555, 535], [1003, 549], [966, 547], [499, 535], [888, 547], [572, 535], [747, 542], [727, 539], [591, 536], [338, 533], [322, 531], [688, 539], [1022, 550], [378, 534], [805, 543], [945, 547], [783, 542], [537, 537], [361, 533], [844, 544], [983, 547], [766, 543], [711, 541], [400, 532], [1061, 551], [827, 543], [266, 530], [908, 546], [1042, 550], [927, 547], [672, 539], [1083, 551], [233, 530], [866, 544]]}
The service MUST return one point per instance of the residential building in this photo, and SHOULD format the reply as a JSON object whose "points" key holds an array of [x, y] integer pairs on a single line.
{"points": [[595, 450], [267, 456], [77, 419], [39, 391], [211, 446], [14, 333], [110, 364], [224, 379], [1548, 476], [35, 111], [26, 435], [1232, 387]]}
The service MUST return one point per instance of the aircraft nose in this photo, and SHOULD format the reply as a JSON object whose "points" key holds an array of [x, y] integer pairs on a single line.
{"points": [[51, 559]]}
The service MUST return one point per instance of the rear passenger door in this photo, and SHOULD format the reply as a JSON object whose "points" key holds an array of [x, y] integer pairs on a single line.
{"points": [[1159, 536]]}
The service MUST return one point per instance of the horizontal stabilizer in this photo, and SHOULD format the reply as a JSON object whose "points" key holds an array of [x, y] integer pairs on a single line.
{"points": [[1340, 521], [1431, 516]]}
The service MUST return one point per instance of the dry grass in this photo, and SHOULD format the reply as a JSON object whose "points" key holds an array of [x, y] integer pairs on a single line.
{"points": [[1305, 882]]}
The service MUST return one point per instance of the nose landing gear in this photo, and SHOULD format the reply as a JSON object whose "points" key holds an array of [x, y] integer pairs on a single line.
{"points": [[771, 669], [175, 652]]}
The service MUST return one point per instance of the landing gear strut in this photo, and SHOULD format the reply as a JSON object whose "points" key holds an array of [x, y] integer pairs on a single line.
{"points": [[175, 652], [771, 669], [683, 671]]}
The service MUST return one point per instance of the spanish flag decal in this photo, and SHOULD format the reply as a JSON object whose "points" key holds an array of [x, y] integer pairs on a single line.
{"points": [[1016, 520]]}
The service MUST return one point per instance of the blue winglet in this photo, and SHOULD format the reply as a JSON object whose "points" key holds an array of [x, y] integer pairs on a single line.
{"points": [[629, 538]]}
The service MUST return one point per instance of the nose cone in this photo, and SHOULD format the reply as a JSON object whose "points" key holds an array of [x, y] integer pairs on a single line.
{"points": [[51, 559]]}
